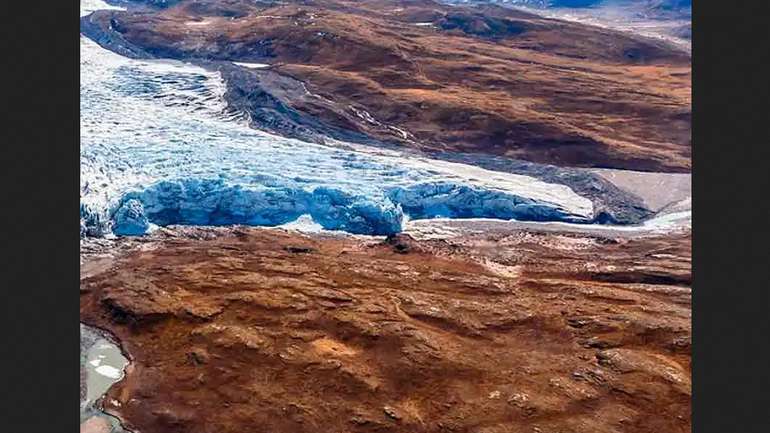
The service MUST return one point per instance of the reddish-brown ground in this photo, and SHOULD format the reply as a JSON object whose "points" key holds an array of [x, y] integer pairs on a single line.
{"points": [[486, 80], [252, 330]]}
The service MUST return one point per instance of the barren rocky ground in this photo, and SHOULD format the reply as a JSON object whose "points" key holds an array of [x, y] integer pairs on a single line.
{"points": [[246, 329]]}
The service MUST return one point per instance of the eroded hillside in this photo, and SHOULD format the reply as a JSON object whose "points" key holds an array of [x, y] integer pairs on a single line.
{"points": [[430, 76]]}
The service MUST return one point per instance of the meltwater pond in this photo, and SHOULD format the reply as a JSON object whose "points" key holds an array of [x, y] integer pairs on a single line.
{"points": [[101, 365], [159, 147]]}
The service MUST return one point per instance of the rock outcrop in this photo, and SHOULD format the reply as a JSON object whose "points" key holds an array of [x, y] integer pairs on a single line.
{"points": [[233, 330]]}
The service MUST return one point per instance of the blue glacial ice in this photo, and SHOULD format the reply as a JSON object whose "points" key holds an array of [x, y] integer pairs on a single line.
{"points": [[159, 147], [215, 202], [131, 219], [453, 200]]}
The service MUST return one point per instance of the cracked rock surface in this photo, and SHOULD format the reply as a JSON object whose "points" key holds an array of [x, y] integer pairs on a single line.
{"points": [[245, 329]]}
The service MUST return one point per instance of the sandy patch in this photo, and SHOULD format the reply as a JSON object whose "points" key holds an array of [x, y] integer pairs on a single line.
{"points": [[657, 190], [327, 346]]}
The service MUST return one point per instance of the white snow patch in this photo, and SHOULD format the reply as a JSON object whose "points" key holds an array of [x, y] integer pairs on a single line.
{"points": [[303, 224], [88, 6], [197, 23], [108, 371], [252, 65]]}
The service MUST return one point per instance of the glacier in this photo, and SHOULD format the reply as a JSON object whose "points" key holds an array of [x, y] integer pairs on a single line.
{"points": [[160, 147], [216, 202]]}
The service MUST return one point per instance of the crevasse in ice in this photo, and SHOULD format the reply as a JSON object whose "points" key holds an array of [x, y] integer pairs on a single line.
{"points": [[158, 146]]}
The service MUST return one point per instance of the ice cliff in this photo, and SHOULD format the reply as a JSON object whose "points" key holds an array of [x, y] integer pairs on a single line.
{"points": [[215, 202]]}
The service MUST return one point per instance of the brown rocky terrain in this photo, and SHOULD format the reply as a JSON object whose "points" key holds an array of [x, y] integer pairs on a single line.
{"points": [[263, 330], [433, 77]]}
